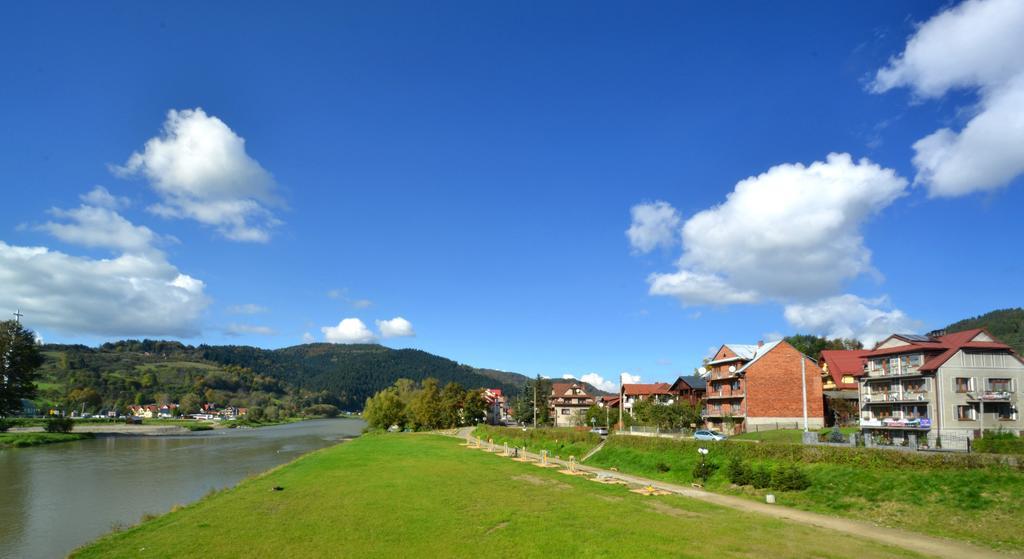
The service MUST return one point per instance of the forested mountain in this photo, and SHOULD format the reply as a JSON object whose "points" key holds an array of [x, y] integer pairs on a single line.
{"points": [[291, 379], [1005, 324]]}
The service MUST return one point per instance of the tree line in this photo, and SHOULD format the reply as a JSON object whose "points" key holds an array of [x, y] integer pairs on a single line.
{"points": [[423, 406]]}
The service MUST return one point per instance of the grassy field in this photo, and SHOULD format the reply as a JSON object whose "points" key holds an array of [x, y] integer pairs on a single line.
{"points": [[21, 440], [793, 436], [963, 497], [409, 495]]}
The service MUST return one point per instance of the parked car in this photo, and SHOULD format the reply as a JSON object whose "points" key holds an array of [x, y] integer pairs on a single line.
{"points": [[708, 435], [600, 431]]}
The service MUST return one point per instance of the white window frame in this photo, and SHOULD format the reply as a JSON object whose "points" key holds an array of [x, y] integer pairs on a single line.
{"points": [[973, 415]]}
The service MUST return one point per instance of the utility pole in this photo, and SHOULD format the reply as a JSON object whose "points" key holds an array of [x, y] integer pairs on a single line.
{"points": [[803, 384], [621, 403], [535, 404]]}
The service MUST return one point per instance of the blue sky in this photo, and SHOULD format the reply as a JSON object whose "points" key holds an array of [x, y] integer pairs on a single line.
{"points": [[472, 168]]}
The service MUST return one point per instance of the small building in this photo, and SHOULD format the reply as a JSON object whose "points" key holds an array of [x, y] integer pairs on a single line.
{"points": [[690, 389], [497, 406], [633, 393], [763, 385], [841, 370], [568, 404]]}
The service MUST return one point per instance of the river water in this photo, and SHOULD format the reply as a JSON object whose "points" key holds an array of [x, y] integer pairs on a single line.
{"points": [[55, 498]]}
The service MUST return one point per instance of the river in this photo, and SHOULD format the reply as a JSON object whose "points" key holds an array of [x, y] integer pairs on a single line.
{"points": [[54, 498]]}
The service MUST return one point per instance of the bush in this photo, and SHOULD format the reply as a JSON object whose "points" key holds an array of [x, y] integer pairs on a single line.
{"points": [[703, 470], [739, 472], [999, 442], [323, 410], [5, 425], [59, 425], [761, 477], [662, 467], [789, 478]]}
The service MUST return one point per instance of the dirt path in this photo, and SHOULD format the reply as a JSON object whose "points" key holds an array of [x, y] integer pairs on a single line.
{"points": [[920, 543]]}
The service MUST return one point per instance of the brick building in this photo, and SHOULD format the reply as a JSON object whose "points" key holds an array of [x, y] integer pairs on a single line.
{"points": [[761, 385]]}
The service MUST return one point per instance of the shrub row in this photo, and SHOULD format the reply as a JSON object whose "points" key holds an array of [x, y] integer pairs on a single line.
{"points": [[806, 454], [561, 441], [785, 477]]}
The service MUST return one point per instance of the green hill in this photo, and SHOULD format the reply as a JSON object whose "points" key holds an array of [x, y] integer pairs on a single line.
{"points": [[1005, 324], [291, 379]]}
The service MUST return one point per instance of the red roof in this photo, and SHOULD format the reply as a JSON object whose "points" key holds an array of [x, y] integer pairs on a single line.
{"points": [[843, 362], [646, 389], [942, 348]]}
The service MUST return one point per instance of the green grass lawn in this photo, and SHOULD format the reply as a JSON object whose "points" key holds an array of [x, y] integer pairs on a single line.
{"points": [[961, 498], [21, 440], [794, 436], [409, 495]]}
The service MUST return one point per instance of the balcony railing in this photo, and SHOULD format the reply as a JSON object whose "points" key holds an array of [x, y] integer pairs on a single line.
{"points": [[724, 395], [890, 373], [991, 395], [922, 423], [885, 397]]}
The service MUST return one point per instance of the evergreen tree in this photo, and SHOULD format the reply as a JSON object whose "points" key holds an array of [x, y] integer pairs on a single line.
{"points": [[19, 360]]}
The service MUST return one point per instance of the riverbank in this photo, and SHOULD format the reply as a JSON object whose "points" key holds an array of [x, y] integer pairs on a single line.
{"points": [[973, 498], [416, 495], [22, 440]]}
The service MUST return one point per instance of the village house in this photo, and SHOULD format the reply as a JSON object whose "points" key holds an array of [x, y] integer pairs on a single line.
{"points": [[497, 406], [769, 384], [690, 389], [659, 392], [841, 370], [568, 404], [150, 411], [916, 389]]}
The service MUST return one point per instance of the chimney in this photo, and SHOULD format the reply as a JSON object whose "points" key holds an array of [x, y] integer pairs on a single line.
{"points": [[760, 343]]}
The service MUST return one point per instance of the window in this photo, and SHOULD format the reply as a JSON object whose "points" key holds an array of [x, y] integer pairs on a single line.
{"points": [[963, 384], [1006, 412], [1000, 385], [964, 413], [848, 379], [565, 411]]}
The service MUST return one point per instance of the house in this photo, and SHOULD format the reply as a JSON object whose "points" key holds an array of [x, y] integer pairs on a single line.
{"points": [[167, 411], [841, 369], [610, 402], [690, 389], [761, 385], [148, 411], [927, 387], [659, 392], [568, 404], [497, 406]]}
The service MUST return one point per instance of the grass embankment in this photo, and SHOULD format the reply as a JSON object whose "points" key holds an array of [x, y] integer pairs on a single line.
{"points": [[21, 440], [411, 495], [559, 442], [967, 497], [792, 436]]}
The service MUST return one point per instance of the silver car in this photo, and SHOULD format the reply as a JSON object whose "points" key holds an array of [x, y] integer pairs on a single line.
{"points": [[708, 435]]}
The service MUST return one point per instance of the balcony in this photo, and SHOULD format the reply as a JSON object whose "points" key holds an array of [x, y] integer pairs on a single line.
{"points": [[919, 423], [990, 396], [893, 373], [736, 414], [725, 395], [891, 397]]}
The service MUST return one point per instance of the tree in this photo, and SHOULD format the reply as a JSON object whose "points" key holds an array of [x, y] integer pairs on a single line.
{"points": [[475, 408], [524, 404], [812, 346], [453, 400], [426, 406], [385, 409], [190, 403], [19, 360]]}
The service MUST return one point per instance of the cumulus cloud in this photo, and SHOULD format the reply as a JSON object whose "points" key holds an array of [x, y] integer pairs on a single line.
{"points": [[655, 224], [134, 294], [397, 327], [791, 233], [248, 308], [600, 382], [99, 227], [348, 331], [308, 338], [849, 316], [100, 196], [975, 45], [244, 329], [200, 169], [630, 379]]}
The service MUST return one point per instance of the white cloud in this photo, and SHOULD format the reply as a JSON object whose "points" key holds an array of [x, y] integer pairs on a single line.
{"points": [[248, 308], [348, 331], [567, 376], [600, 382], [201, 171], [849, 316], [655, 224], [308, 338], [100, 196], [791, 233], [336, 293], [397, 327], [630, 379], [135, 294], [362, 303], [975, 45], [245, 329], [94, 226]]}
